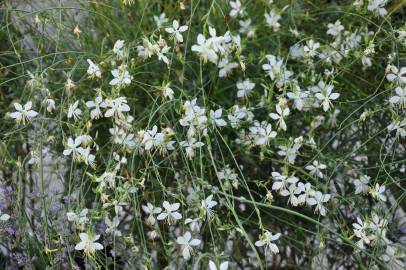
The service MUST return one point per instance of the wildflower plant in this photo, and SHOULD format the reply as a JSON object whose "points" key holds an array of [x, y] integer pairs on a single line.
{"points": [[261, 134]]}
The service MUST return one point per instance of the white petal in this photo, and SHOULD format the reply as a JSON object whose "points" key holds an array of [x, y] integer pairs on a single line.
{"points": [[97, 246], [186, 253], [162, 216], [83, 236], [212, 265], [80, 246], [195, 242]]}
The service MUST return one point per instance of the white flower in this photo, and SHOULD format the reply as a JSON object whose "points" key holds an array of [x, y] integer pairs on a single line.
{"points": [[121, 77], [208, 204], [236, 9], [378, 192], [77, 31], [311, 48], [223, 266], [360, 231], [153, 235], [226, 67], [194, 117], [272, 19], [116, 107], [190, 145], [194, 224], [246, 27], [399, 126], [50, 103], [228, 176], [4, 217], [399, 98], [168, 92], [244, 88], [87, 157], [280, 115], [266, 240], [69, 85], [318, 200], [73, 148], [308, 193], [205, 49], [215, 117], [107, 179], [281, 181], [289, 151], [292, 191], [335, 29], [112, 226], [80, 219], [238, 114], [298, 98], [361, 184], [261, 133], [325, 95], [377, 7], [296, 51], [396, 75], [122, 137], [93, 70], [316, 168], [95, 113], [147, 49], [74, 111], [276, 71], [394, 260], [161, 49], [366, 61], [161, 20], [378, 225], [88, 244], [170, 212], [187, 244], [118, 46], [177, 31], [23, 114], [152, 138]]}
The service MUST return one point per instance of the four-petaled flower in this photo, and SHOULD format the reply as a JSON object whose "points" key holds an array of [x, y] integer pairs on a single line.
{"points": [[208, 204], [399, 98], [244, 88], [280, 116], [325, 95], [74, 111], [170, 212], [396, 75], [93, 69], [318, 200], [187, 244], [315, 168], [88, 244], [95, 113], [361, 184], [151, 211], [215, 117], [266, 240], [121, 77], [23, 114], [177, 31], [377, 192], [73, 148]]}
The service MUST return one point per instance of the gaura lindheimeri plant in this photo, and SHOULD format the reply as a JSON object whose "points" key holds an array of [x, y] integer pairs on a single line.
{"points": [[215, 134]]}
